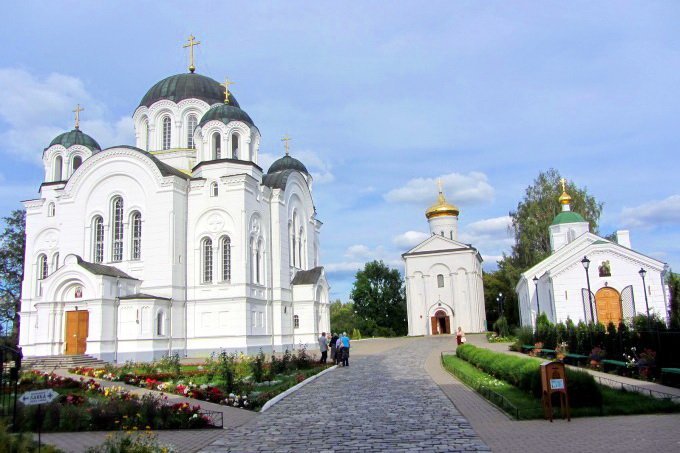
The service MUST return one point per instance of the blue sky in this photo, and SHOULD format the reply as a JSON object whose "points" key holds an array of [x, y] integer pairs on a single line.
{"points": [[381, 99]]}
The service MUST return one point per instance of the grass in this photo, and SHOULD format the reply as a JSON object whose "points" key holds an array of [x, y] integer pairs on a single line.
{"points": [[615, 401]]}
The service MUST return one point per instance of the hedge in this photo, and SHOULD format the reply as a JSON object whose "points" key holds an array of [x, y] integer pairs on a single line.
{"points": [[524, 373]]}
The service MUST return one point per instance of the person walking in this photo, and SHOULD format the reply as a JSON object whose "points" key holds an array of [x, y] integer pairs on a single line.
{"points": [[323, 346], [338, 350], [334, 340], [460, 336], [345, 349]]}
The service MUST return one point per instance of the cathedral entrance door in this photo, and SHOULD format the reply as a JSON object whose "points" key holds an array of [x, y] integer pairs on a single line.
{"points": [[608, 304], [77, 324], [441, 323]]}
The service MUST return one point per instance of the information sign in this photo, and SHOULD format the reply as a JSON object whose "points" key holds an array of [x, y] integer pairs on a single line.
{"points": [[34, 397]]}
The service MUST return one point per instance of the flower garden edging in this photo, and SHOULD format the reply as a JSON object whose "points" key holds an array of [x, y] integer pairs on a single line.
{"points": [[282, 395]]}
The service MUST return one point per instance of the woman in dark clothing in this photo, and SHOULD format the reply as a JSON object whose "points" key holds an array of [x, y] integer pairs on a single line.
{"points": [[334, 351]]}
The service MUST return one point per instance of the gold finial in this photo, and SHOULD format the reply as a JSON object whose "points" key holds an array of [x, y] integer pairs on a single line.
{"points": [[77, 111], [285, 141], [441, 207], [226, 85], [191, 45], [564, 198]]}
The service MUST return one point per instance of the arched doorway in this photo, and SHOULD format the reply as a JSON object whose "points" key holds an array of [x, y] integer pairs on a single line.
{"points": [[441, 323], [608, 305]]}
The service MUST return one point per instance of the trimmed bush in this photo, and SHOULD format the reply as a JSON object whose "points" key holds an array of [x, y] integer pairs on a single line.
{"points": [[524, 373]]}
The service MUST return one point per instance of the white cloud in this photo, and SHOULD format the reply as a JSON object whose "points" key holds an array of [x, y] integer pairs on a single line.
{"points": [[36, 109], [319, 169], [410, 238], [458, 188], [494, 226], [652, 213]]}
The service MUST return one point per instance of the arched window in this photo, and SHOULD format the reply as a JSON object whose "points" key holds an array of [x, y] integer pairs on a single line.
{"points": [[440, 281], [55, 262], [98, 239], [226, 259], [216, 146], [136, 221], [42, 267], [235, 146], [296, 321], [207, 261], [300, 245], [50, 210], [160, 321], [146, 132], [58, 164], [214, 189], [77, 161], [191, 125], [291, 245], [167, 132], [117, 229]]}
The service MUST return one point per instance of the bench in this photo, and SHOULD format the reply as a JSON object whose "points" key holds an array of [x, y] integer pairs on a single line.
{"points": [[548, 352], [576, 358], [527, 348], [670, 376], [617, 364]]}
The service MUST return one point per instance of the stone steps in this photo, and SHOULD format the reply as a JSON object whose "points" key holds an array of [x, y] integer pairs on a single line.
{"points": [[48, 363]]}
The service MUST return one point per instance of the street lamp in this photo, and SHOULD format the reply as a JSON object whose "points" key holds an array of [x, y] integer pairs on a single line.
{"points": [[642, 273], [586, 263], [538, 305], [499, 299]]}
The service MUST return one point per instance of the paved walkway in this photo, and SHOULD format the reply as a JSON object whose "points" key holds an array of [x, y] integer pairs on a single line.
{"points": [[385, 401]]}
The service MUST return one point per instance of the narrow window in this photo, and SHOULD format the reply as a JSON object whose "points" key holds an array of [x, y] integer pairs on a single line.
{"points": [[77, 161], [146, 134], [58, 163], [117, 252], [136, 236], [226, 259], [55, 262], [98, 239], [296, 321], [159, 323], [167, 132], [191, 125], [216, 146], [234, 146], [50, 210], [214, 189], [440, 281], [207, 260], [42, 267], [300, 243]]}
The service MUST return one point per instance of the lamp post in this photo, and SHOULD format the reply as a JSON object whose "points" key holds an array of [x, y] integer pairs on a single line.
{"points": [[499, 299], [586, 263], [642, 273]]}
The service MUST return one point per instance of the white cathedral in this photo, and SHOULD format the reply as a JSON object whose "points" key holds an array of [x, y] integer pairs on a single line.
{"points": [[179, 244], [444, 286]]}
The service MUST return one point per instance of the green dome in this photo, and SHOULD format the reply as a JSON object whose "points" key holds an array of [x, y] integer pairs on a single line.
{"points": [[75, 137], [287, 163], [567, 217], [187, 86], [226, 113]]}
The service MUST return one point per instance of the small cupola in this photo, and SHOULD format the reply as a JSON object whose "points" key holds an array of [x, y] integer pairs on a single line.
{"points": [[443, 216]]}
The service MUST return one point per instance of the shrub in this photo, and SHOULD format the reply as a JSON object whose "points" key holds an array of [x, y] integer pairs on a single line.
{"points": [[524, 373], [21, 442], [257, 367], [170, 364], [501, 327], [356, 334], [302, 360], [141, 443], [524, 336]]}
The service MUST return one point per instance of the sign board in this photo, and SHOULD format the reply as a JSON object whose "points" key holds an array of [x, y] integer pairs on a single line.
{"points": [[34, 397], [557, 384]]}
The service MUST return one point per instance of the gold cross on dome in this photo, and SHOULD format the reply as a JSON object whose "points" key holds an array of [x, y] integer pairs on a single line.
{"points": [[285, 141], [191, 45], [564, 184], [77, 112], [226, 84]]}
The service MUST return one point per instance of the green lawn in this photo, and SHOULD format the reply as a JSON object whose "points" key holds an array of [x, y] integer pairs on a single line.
{"points": [[615, 402]]}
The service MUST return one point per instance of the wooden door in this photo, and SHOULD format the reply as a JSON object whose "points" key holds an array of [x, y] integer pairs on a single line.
{"points": [[448, 324], [608, 305], [77, 326], [435, 325]]}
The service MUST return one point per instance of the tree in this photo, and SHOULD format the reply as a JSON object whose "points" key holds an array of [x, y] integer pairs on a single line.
{"points": [[535, 213], [12, 249], [379, 296], [674, 289]]}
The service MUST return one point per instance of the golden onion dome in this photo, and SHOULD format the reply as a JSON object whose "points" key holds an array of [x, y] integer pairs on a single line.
{"points": [[441, 207], [565, 198]]}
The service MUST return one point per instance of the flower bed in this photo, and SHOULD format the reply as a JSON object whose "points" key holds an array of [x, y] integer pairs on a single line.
{"points": [[234, 380], [84, 405]]}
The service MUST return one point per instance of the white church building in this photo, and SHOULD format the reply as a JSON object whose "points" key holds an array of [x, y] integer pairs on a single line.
{"points": [[444, 287], [623, 282], [181, 243]]}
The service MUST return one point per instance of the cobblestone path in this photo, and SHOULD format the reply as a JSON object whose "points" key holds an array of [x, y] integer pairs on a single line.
{"points": [[384, 402]]}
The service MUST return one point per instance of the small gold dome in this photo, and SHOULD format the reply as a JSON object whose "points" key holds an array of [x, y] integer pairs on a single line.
{"points": [[565, 198], [441, 208]]}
